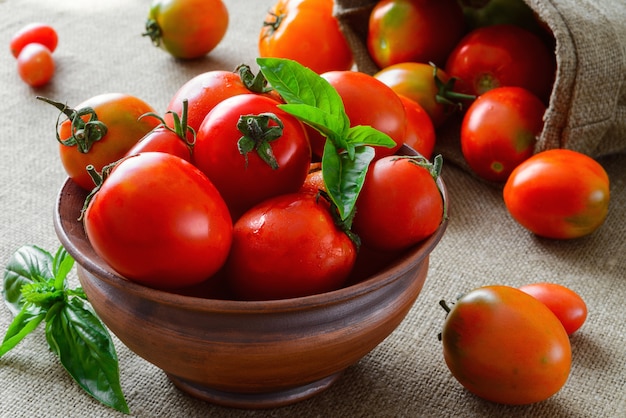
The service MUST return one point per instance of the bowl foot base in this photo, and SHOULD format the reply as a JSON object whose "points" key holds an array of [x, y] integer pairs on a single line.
{"points": [[254, 400]]}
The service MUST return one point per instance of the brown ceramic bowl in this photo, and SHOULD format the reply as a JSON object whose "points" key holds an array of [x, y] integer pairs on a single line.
{"points": [[246, 354]]}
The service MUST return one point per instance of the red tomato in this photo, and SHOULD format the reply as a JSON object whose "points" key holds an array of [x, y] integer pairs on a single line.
{"points": [[420, 131], [34, 33], [558, 194], [399, 205], [35, 65], [230, 153], [305, 31], [163, 139], [288, 246], [414, 31], [566, 304], [187, 28], [314, 181], [500, 130], [159, 221], [505, 346], [502, 55]]}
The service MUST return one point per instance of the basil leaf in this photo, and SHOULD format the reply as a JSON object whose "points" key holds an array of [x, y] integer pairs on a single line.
{"points": [[86, 350], [366, 135], [317, 119], [29, 264], [62, 265], [28, 318]]}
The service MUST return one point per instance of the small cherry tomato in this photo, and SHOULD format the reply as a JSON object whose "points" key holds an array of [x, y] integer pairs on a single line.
{"points": [[420, 131], [500, 130], [34, 33], [35, 65], [505, 346], [305, 31], [566, 304], [558, 194]]}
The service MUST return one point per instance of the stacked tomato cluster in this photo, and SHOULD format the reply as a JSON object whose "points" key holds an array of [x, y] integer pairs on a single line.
{"points": [[33, 46]]}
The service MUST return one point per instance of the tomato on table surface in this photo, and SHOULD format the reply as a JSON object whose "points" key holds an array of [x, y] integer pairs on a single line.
{"points": [[157, 220], [414, 31], [34, 33], [420, 132], [35, 65], [187, 29], [559, 194], [305, 31], [499, 131], [566, 304], [505, 346]]}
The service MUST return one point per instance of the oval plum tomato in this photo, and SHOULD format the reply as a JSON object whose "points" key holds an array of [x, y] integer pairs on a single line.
{"points": [[414, 31], [500, 130], [400, 203], [34, 33], [566, 304], [502, 55], [157, 220], [420, 133], [187, 29], [288, 246], [252, 150], [505, 346], [100, 131], [305, 31], [559, 194], [35, 65]]}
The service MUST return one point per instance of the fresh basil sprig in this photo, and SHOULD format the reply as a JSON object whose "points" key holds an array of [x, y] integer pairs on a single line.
{"points": [[347, 152], [35, 290]]}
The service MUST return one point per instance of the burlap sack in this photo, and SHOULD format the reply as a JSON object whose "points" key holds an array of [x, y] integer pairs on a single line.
{"points": [[587, 109]]}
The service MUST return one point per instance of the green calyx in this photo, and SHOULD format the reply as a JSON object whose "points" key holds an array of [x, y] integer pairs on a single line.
{"points": [[154, 32], [257, 135]]}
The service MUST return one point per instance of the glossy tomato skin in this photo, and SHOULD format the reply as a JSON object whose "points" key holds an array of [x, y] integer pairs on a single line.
{"points": [[157, 220], [399, 205], [34, 33], [502, 55], [305, 31], [420, 133], [245, 183], [559, 194], [505, 346], [566, 304], [499, 131], [162, 139], [288, 246], [187, 29], [35, 65], [121, 115], [414, 31]]}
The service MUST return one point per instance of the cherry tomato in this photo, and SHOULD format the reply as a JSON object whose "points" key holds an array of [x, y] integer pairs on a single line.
{"points": [[187, 29], [80, 146], [35, 65], [34, 33], [157, 220], [288, 246], [505, 346], [566, 304], [502, 55], [305, 31], [399, 205], [251, 150], [559, 194], [414, 31], [420, 133], [500, 130]]}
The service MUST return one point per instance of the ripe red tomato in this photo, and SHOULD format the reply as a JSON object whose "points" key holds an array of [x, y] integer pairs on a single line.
{"points": [[505, 346], [159, 221], [414, 31], [35, 65], [500, 130], [233, 142], [305, 31], [420, 131], [558, 194], [163, 139], [288, 246], [34, 33], [566, 304], [187, 29], [400, 204], [502, 55]]}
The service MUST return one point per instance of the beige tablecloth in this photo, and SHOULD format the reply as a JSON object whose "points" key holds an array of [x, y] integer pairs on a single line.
{"points": [[101, 50]]}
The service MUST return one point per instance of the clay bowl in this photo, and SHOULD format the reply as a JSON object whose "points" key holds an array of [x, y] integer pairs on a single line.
{"points": [[246, 354]]}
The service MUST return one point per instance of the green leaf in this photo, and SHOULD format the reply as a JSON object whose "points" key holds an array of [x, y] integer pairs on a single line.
{"points": [[319, 120], [86, 350], [366, 135], [28, 318], [62, 265], [29, 264]]}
